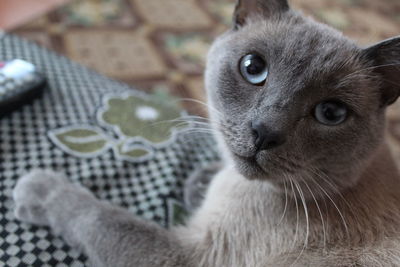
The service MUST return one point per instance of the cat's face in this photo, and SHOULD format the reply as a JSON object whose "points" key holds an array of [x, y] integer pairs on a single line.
{"points": [[296, 98]]}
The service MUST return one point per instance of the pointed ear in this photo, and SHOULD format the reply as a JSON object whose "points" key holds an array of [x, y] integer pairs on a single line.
{"points": [[264, 8], [386, 58]]}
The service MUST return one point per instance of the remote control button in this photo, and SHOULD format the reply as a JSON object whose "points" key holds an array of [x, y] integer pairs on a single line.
{"points": [[8, 80], [29, 77], [18, 68], [19, 82], [9, 86]]}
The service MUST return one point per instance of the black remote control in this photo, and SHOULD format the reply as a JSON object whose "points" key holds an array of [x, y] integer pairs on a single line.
{"points": [[20, 83]]}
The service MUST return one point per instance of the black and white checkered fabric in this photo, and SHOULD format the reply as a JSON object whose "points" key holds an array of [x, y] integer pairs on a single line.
{"points": [[72, 97]]}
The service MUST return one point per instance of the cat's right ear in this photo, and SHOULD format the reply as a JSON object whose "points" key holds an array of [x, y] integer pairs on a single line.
{"points": [[257, 8], [386, 58]]}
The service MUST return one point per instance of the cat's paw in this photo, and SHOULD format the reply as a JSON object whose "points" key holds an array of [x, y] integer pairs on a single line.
{"points": [[32, 193]]}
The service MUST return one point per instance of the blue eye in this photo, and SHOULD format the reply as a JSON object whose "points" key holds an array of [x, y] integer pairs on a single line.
{"points": [[254, 69], [331, 112]]}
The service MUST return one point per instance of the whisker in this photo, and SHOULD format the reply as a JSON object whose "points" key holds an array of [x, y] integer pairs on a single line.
{"points": [[307, 219], [370, 68], [325, 179], [206, 125], [336, 207], [197, 131], [319, 211], [286, 202], [202, 103], [297, 213], [187, 119]]}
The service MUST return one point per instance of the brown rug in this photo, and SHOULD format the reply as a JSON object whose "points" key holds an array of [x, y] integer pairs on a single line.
{"points": [[160, 45]]}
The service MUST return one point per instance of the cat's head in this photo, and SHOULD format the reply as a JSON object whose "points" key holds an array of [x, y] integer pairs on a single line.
{"points": [[291, 97]]}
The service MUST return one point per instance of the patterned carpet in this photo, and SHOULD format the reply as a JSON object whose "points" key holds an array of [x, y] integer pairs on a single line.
{"points": [[160, 45]]}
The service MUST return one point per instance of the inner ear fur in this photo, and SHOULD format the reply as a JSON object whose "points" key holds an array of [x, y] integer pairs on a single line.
{"points": [[386, 58], [252, 8]]}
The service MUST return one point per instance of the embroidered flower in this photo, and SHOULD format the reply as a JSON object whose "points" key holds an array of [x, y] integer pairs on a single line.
{"points": [[139, 124], [133, 116]]}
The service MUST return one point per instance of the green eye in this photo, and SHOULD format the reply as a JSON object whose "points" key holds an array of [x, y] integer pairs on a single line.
{"points": [[331, 112], [254, 69]]}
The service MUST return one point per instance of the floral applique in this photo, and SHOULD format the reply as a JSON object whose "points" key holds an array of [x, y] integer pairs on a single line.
{"points": [[129, 124]]}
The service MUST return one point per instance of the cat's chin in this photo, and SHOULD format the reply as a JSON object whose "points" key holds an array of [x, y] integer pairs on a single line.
{"points": [[250, 169]]}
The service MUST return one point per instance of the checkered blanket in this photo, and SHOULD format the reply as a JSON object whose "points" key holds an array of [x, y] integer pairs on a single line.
{"points": [[127, 147]]}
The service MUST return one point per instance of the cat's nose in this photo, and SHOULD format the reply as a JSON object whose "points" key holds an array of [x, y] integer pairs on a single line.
{"points": [[266, 138]]}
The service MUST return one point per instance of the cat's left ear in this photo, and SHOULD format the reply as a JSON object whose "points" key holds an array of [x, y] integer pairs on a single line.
{"points": [[246, 9], [386, 58]]}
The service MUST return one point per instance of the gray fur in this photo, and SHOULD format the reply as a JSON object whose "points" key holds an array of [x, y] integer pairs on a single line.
{"points": [[329, 196]]}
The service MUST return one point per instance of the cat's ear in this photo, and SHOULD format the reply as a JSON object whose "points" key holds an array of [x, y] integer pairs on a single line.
{"points": [[386, 58], [262, 8]]}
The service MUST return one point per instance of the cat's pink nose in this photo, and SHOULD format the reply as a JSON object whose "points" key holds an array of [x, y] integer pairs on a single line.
{"points": [[266, 138]]}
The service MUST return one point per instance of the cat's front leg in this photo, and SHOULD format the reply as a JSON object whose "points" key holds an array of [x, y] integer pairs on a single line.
{"points": [[110, 236], [44, 197]]}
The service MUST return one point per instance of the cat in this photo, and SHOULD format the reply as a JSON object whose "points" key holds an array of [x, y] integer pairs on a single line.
{"points": [[307, 177]]}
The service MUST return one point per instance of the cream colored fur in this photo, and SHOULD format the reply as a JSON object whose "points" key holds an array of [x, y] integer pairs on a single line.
{"points": [[245, 223]]}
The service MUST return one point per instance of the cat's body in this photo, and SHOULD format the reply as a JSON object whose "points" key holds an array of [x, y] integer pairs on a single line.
{"points": [[308, 179], [245, 223]]}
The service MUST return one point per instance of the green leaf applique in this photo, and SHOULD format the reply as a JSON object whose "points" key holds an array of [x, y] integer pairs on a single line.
{"points": [[83, 141], [133, 150]]}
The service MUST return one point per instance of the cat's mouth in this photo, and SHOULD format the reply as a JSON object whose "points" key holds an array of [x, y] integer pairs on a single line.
{"points": [[250, 167], [255, 164], [262, 166]]}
